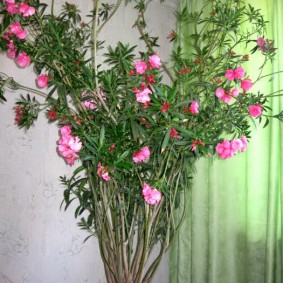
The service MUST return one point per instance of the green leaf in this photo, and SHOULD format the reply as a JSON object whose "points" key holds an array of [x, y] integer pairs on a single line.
{"points": [[165, 140], [101, 136]]}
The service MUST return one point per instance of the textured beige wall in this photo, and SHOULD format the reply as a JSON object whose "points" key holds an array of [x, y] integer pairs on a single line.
{"points": [[38, 242]]}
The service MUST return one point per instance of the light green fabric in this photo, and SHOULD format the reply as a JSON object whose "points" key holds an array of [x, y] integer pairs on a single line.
{"points": [[233, 229]]}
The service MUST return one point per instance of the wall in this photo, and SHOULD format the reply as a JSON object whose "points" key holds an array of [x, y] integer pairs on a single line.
{"points": [[39, 243]]}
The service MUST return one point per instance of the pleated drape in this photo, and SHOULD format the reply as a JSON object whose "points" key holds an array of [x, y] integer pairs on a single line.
{"points": [[232, 232]]}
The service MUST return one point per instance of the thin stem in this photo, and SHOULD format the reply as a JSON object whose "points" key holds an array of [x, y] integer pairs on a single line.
{"points": [[271, 95], [22, 87], [96, 4], [52, 7], [145, 246], [110, 16], [11, 84], [268, 75], [93, 29], [259, 75]]}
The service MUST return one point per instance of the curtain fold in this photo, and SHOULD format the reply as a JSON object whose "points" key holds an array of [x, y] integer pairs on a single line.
{"points": [[233, 229]]}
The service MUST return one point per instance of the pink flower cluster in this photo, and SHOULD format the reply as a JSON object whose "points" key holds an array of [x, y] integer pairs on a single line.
{"points": [[69, 145], [142, 155], [226, 95], [236, 74], [265, 45], [143, 92], [19, 114], [151, 196], [17, 30], [22, 9], [23, 60], [227, 149], [153, 63], [42, 80], [261, 43], [103, 172]]}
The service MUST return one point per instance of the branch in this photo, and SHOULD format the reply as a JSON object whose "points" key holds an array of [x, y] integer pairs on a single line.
{"points": [[96, 5], [111, 15], [140, 29], [12, 84]]}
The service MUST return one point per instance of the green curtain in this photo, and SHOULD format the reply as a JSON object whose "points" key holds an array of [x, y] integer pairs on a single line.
{"points": [[232, 232]]}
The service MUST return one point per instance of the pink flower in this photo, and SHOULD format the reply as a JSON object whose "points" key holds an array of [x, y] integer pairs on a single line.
{"points": [[75, 144], [154, 61], [229, 74], [26, 10], [143, 96], [235, 92], [151, 196], [22, 34], [88, 103], [11, 45], [255, 110], [42, 81], [140, 67], [239, 73], [219, 92], [102, 172], [65, 130], [23, 60], [194, 107], [224, 149], [11, 53], [222, 95], [246, 84], [236, 145], [226, 98], [15, 28], [142, 155], [12, 8], [261, 41]]}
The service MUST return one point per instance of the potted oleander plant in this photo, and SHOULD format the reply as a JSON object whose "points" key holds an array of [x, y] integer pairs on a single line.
{"points": [[133, 137]]}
